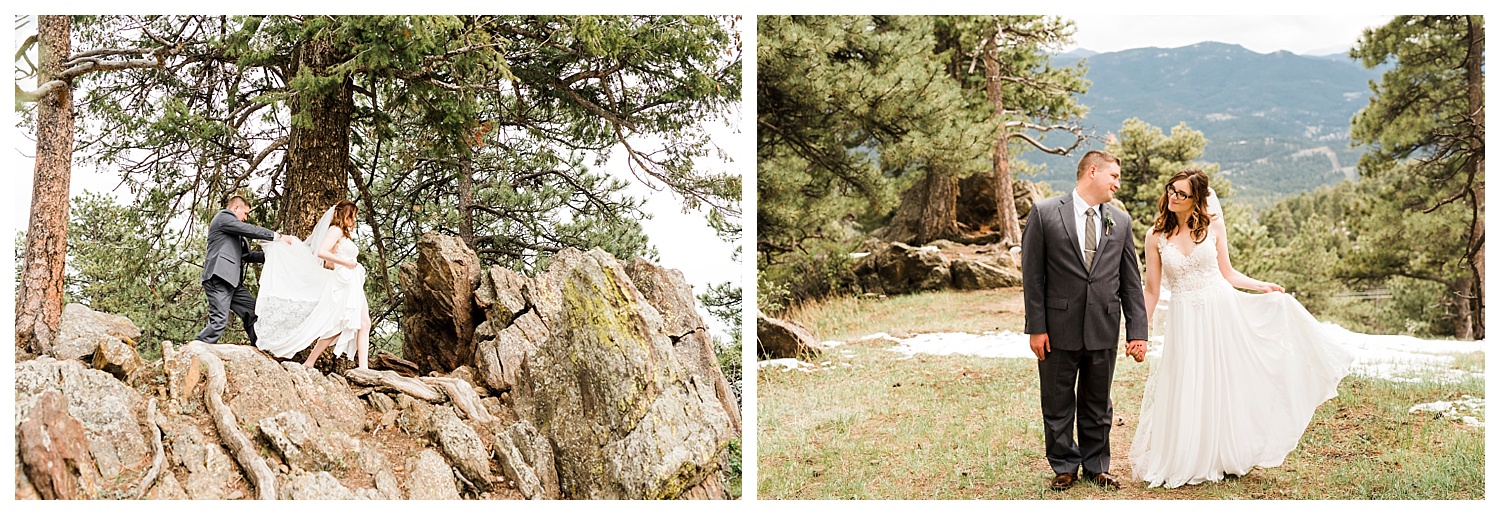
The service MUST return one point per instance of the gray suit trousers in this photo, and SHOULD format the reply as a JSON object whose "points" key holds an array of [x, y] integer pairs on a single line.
{"points": [[223, 298], [1092, 371]]}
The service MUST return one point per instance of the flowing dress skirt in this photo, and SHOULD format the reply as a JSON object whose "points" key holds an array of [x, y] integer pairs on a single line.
{"points": [[301, 302], [1237, 382]]}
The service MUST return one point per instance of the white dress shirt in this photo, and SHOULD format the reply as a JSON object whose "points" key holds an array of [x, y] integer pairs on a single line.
{"points": [[1079, 221]]}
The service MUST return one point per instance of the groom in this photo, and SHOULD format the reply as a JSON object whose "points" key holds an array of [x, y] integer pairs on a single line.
{"points": [[1079, 271], [224, 267]]}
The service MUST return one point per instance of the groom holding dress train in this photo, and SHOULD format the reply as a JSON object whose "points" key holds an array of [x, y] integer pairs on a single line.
{"points": [[1079, 273], [224, 268]]}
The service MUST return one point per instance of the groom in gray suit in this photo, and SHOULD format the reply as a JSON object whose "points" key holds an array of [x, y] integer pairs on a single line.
{"points": [[224, 268], [1079, 272]]}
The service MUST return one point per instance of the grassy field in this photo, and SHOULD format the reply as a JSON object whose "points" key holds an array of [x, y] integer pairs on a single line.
{"points": [[876, 425]]}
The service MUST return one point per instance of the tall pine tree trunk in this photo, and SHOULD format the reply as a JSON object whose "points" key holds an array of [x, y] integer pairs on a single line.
{"points": [[928, 211], [40, 291], [1006, 221], [1474, 75], [318, 152]]}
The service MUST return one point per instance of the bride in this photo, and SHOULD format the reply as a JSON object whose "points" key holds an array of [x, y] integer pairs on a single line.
{"points": [[1240, 374], [314, 291]]}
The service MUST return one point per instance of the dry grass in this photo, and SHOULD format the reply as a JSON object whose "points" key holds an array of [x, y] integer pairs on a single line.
{"points": [[877, 426]]}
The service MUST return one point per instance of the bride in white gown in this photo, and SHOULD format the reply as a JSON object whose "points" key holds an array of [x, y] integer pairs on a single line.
{"points": [[1240, 374], [314, 292]]}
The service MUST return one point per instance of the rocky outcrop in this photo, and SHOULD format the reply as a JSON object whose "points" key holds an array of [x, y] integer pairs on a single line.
{"points": [[625, 418], [592, 388], [668, 291], [1027, 194], [775, 339], [893, 268], [322, 485], [211, 474], [438, 315], [462, 445]]}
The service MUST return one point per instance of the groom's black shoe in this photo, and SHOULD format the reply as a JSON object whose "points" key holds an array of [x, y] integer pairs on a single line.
{"points": [[1103, 480], [1063, 481]]}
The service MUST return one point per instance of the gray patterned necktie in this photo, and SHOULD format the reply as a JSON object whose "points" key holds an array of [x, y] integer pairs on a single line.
{"points": [[1090, 239]]}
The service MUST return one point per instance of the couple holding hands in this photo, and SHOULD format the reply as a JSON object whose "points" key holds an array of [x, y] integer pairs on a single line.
{"points": [[1239, 374]]}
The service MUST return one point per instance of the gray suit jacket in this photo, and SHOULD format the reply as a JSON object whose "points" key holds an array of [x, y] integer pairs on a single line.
{"points": [[1080, 310], [227, 249]]}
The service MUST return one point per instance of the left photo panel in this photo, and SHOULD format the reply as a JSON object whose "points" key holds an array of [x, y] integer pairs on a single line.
{"points": [[378, 257]]}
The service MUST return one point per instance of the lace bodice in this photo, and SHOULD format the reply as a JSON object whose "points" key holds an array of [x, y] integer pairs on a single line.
{"points": [[346, 249], [1193, 272]]}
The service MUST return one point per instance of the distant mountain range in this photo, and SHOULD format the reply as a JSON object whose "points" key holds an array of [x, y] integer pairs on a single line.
{"points": [[1277, 124]]}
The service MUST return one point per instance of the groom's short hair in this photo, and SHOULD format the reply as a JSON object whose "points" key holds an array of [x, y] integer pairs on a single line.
{"points": [[234, 200], [1095, 158]]}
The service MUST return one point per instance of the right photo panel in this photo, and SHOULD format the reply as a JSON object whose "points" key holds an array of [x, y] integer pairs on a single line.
{"points": [[1120, 257]]}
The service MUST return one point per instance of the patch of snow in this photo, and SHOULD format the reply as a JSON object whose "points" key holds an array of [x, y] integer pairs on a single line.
{"points": [[1391, 357], [1463, 410], [1404, 358], [1004, 344], [857, 255], [880, 336], [787, 364]]}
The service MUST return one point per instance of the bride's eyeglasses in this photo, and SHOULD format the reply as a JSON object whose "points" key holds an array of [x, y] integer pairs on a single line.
{"points": [[1176, 194]]}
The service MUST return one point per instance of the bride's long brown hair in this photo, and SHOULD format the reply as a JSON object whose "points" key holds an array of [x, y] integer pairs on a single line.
{"points": [[343, 217], [1197, 219]]}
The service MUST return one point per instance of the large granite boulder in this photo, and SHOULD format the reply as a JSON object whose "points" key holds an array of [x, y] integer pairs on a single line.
{"points": [[626, 419], [980, 275], [438, 313], [776, 339], [462, 445], [498, 356], [81, 330], [896, 268]]}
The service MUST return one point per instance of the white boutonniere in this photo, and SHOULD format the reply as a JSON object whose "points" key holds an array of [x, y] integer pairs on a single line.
{"points": [[1109, 223]]}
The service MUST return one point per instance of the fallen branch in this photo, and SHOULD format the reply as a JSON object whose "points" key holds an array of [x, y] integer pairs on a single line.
{"points": [[161, 452], [463, 396], [393, 381], [229, 432]]}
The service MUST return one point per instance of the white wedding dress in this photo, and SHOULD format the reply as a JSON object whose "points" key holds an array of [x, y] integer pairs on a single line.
{"points": [[1238, 378], [301, 302]]}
